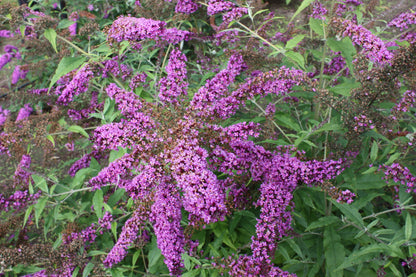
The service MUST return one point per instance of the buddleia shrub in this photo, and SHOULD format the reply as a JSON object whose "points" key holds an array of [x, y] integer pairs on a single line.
{"points": [[222, 141]]}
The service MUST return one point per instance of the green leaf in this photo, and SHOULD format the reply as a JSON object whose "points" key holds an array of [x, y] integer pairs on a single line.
{"points": [[363, 255], [323, 222], [66, 65], [98, 201], [374, 151], [51, 139], [192, 273], [88, 268], [186, 261], [294, 41], [154, 256], [96, 253], [408, 227], [135, 257], [114, 229], [115, 197], [304, 5], [65, 23], [345, 46], [317, 26], [75, 272], [79, 130], [345, 87], [27, 213], [50, 35], [350, 212], [392, 158], [40, 182], [334, 251], [370, 170], [297, 58], [39, 206]]}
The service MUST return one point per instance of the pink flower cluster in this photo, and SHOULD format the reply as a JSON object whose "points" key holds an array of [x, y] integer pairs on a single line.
{"points": [[373, 47], [79, 84], [24, 112], [407, 101], [403, 21], [399, 174], [175, 84], [3, 116], [134, 30]]}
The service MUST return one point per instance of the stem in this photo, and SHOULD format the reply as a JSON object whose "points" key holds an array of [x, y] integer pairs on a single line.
{"points": [[280, 50], [76, 47], [68, 132], [274, 123]]}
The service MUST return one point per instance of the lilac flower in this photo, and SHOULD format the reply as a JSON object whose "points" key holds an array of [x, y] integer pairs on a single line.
{"points": [[399, 174], [24, 112], [166, 215], [175, 84], [318, 10], [79, 84], [6, 34], [270, 110], [84, 162], [128, 235], [363, 123], [105, 221], [279, 82], [137, 80], [70, 146], [73, 28], [88, 235], [85, 113], [38, 91], [55, 6], [13, 50], [174, 36], [5, 59], [115, 67], [217, 87], [342, 7], [218, 6], [134, 29], [21, 175], [18, 200], [346, 196], [186, 6], [113, 172], [203, 198], [18, 73], [234, 14], [408, 100], [90, 7], [3, 116], [373, 47], [403, 21]]}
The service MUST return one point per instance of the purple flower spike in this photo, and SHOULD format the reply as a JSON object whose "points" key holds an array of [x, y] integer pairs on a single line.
{"points": [[128, 235], [186, 6], [166, 215], [24, 112], [18, 74], [79, 84], [373, 47], [175, 84]]}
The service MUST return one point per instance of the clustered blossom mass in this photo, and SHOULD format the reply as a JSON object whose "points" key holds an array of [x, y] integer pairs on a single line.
{"points": [[175, 152], [175, 148]]}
